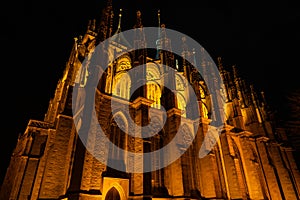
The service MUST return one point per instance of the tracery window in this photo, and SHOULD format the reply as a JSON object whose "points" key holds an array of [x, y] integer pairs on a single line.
{"points": [[181, 104], [204, 99], [121, 86], [182, 94], [117, 136], [154, 93], [153, 84]]}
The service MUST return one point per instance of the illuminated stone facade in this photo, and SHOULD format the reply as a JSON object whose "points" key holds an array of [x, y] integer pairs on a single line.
{"points": [[251, 160]]}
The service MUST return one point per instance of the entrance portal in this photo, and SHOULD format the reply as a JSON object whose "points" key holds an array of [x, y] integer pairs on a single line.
{"points": [[113, 194]]}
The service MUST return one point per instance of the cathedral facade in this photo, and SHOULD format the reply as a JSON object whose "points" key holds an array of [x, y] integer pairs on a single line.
{"points": [[249, 159]]}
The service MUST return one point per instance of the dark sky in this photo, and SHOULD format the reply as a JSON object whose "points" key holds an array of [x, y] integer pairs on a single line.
{"points": [[261, 39]]}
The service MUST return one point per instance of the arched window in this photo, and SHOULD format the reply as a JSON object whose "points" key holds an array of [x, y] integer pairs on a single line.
{"points": [[154, 93], [180, 82], [181, 104], [204, 111], [121, 85], [117, 136], [204, 99], [182, 93], [153, 84]]}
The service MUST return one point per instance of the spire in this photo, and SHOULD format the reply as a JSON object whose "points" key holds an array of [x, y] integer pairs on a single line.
{"points": [[139, 42], [235, 72], [194, 68], [185, 55], [118, 38], [105, 27], [220, 64], [158, 41], [239, 87], [93, 25], [139, 38], [253, 95], [184, 46], [224, 78], [263, 97], [165, 44], [119, 24], [111, 23], [139, 33], [256, 103], [194, 57], [158, 16], [138, 23]]}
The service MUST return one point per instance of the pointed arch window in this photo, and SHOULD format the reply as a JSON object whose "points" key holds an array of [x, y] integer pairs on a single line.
{"points": [[181, 93], [181, 104], [153, 84], [204, 110], [121, 86], [204, 99], [154, 93], [118, 137]]}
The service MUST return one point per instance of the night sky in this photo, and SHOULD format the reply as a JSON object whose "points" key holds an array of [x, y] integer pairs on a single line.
{"points": [[261, 39]]}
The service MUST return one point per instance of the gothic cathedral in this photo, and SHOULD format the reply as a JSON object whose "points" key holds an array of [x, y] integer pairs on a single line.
{"points": [[63, 156]]}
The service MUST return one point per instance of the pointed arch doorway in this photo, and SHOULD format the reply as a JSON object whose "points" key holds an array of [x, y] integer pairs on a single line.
{"points": [[113, 194], [115, 188]]}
